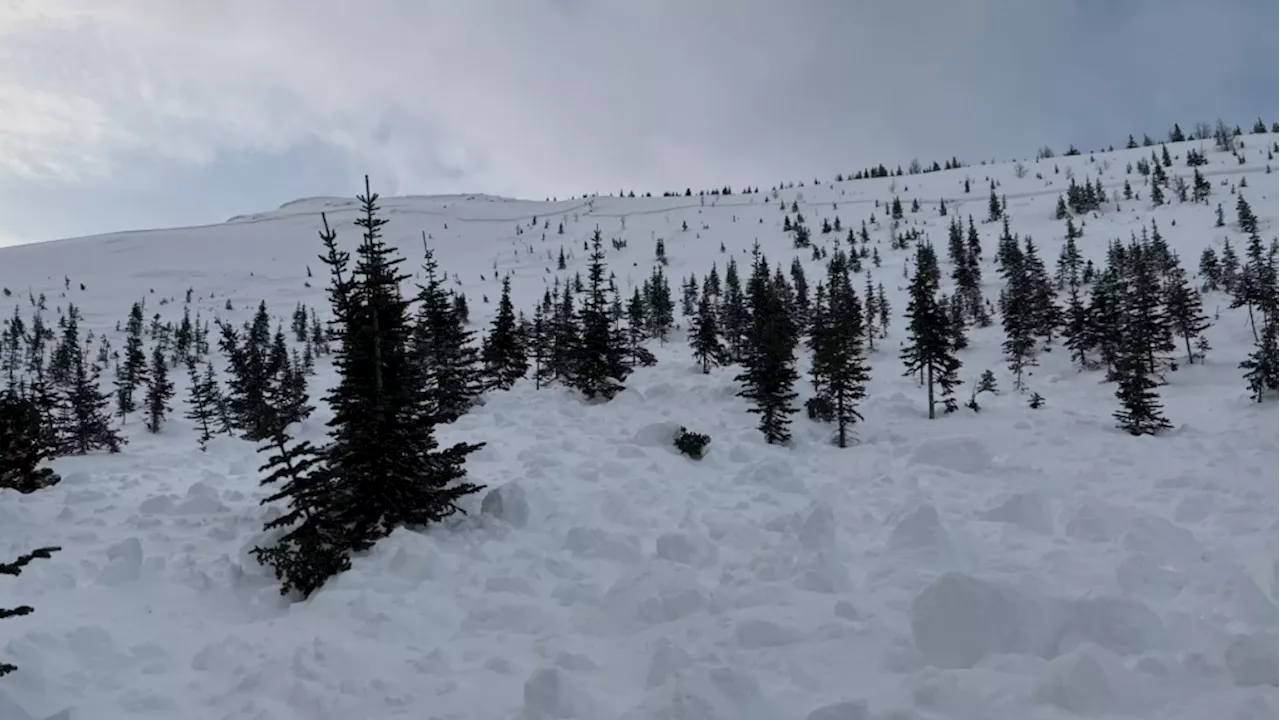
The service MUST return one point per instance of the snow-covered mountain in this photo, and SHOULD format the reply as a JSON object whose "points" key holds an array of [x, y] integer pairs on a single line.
{"points": [[1011, 563]]}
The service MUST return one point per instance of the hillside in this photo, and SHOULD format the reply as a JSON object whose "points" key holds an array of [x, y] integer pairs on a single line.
{"points": [[1036, 564]]}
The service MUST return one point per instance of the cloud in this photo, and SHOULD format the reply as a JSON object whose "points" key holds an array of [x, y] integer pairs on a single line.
{"points": [[543, 97]]}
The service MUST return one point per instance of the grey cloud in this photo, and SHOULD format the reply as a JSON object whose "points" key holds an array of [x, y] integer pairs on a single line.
{"points": [[543, 97]]}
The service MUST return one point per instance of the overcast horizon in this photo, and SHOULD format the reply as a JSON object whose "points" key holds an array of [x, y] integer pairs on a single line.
{"points": [[154, 113]]}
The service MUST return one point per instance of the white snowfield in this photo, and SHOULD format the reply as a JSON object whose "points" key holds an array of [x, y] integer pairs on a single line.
{"points": [[1014, 564]]}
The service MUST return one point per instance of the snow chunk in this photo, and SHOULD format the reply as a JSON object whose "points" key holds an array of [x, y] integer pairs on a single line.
{"points": [[845, 710], [958, 619], [1146, 577], [919, 528], [124, 563], [699, 693], [659, 434], [962, 454], [765, 633], [657, 594], [1122, 625], [508, 503], [819, 529], [1026, 510], [667, 660], [1252, 660], [597, 543], [686, 549], [549, 696]]}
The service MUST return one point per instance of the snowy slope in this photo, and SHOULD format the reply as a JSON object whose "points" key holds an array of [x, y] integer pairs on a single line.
{"points": [[1017, 563]]}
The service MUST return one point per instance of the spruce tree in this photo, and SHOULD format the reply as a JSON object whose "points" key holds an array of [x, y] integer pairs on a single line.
{"points": [[1140, 411], [383, 467], [838, 356], [132, 371], [202, 401], [704, 334], [159, 390], [23, 447], [769, 373], [600, 361], [929, 351], [442, 346], [1184, 309], [15, 568], [504, 352]]}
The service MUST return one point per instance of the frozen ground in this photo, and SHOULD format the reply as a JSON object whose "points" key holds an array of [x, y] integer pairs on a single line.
{"points": [[1016, 564]]}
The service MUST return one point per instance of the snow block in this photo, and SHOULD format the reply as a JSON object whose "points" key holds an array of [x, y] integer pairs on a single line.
{"points": [[958, 619], [845, 710], [962, 454], [548, 695], [1124, 626], [1028, 511], [507, 503], [919, 528], [1251, 660], [700, 693], [656, 594]]}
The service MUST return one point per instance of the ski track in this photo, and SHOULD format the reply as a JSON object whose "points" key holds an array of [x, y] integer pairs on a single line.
{"points": [[1017, 563]]}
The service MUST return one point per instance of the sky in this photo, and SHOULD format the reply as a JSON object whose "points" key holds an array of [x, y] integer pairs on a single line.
{"points": [[128, 114]]}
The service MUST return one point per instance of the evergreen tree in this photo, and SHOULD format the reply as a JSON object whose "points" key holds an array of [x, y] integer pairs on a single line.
{"points": [[929, 351], [838, 356], [504, 354], [443, 347], [769, 373], [704, 334], [1210, 271], [734, 318], [382, 468], [1140, 411], [994, 210], [132, 371], [1184, 309], [1018, 312], [15, 568], [202, 401], [600, 362], [540, 342], [159, 390], [23, 447]]}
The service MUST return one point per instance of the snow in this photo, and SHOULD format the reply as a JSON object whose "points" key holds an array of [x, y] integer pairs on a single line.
{"points": [[1017, 563]]}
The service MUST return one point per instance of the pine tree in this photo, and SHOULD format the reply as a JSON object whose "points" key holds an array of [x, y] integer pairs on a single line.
{"points": [[1140, 411], [704, 335], [23, 446], [994, 210], [443, 347], [734, 318], [769, 373], [838, 356], [1210, 271], [504, 352], [382, 468], [159, 390], [15, 568], [1245, 218], [600, 361], [1018, 312], [202, 405], [929, 352], [1184, 309], [132, 372]]}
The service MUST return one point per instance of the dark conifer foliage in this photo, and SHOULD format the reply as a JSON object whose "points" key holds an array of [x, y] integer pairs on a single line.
{"points": [[704, 334], [768, 360], [159, 389], [600, 365], [929, 351], [382, 468], [204, 402], [133, 370], [504, 353], [442, 346], [14, 569], [838, 357], [23, 446]]}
